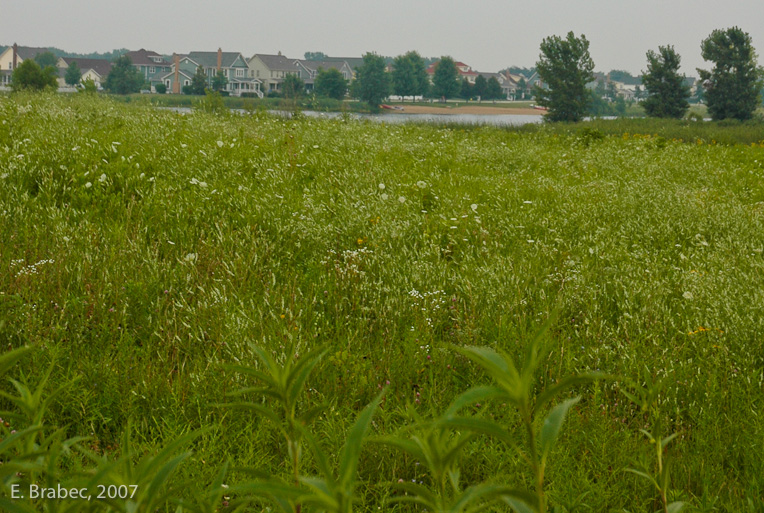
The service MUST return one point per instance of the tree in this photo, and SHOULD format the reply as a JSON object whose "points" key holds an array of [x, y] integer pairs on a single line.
{"points": [[293, 86], [330, 83], [445, 82], [198, 82], [45, 59], [732, 86], [481, 84], [315, 56], [123, 77], [522, 87], [30, 77], [493, 89], [73, 74], [410, 75], [565, 67], [219, 81], [465, 89], [372, 83], [666, 92]]}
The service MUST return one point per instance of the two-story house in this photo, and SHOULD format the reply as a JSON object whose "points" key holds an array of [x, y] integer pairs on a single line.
{"points": [[150, 65], [233, 66], [12, 57], [308, 70], [90, 69], [271, 70]]}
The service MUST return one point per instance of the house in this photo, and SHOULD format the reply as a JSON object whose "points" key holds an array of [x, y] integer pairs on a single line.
{"points": [[308, 70], [150, 65], [13, 56], [272, 70], [90, 69], [233, 65], [464, 71], [507, 87]]}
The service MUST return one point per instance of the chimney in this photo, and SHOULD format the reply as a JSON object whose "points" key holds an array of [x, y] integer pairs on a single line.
{"points": [[176, 82], [279, 52], [220, 58], [15, 55]]}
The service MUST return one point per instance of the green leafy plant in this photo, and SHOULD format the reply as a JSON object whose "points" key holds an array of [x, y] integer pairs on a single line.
{"points": [[647, 397], [283, 385]]}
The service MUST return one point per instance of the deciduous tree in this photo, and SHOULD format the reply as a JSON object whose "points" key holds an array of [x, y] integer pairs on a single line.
{"points": [[45, 59], [123, 77], [666, 92], [198, 82], [481, 84], [331, 84], [493, 89], [293, 86], [219, 81], [410, 75], [30, 77], [372, 83], [732, 86], [565, 67]]}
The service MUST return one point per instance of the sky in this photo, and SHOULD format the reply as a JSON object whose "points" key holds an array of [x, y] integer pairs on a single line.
{"points": [[488, 35]]}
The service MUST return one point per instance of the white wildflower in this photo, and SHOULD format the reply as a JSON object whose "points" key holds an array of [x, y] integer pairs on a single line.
{"points": [[401, 199], [421, 184], [381, 187]]}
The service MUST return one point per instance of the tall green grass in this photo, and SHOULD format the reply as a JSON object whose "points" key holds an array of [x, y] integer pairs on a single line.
{"points": [[145, 252]]}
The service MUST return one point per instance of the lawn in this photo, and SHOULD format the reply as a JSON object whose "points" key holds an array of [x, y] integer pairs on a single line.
{"points": [[152, 260]]}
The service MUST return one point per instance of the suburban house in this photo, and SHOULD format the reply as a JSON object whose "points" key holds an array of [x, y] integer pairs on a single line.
{"points": [[507, 87], [150, 65], [90, 69], [233, 65], [272, 70], [352, 62], [308, 70], [465, 72], [12, 57]]}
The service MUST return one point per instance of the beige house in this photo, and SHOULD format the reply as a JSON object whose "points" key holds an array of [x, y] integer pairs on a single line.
{"points": [[271, 70], [12, 57], [90, 69]]}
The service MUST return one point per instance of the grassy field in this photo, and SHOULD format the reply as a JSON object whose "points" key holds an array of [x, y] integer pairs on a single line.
{"points": [[157, 262]]}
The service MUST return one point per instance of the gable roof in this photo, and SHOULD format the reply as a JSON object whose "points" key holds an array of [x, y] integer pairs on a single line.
{"points": [[144, 58], [316, 65], [210, 59], [276, 62], [30, 52], [100, 66], [353, 62]]}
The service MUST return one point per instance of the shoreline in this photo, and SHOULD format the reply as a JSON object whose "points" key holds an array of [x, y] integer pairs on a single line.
{"points": [[466, 109]]}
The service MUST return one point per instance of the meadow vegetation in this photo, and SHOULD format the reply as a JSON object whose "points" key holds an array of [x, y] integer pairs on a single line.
{"points": [[247, 311]]}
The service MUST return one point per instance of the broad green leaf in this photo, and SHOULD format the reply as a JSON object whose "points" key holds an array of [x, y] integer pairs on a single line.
{"points": [[499, 367], [675, 507], [645, 475], [300, 373], [551, 392], [518, 505], [550, 430], [426, 496], [351, 451], [478, 425], [665, 441], [472, 396], [9, 359]]}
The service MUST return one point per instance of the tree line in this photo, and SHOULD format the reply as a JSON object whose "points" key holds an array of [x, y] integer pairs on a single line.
{"points": [[731, 88]]}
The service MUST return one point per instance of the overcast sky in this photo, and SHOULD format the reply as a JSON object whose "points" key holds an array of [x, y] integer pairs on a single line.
{"points": [[489, 35]]}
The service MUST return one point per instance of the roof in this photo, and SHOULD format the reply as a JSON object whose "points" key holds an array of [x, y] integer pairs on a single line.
{"points": [[353, 62], [276, 62], [210, 59], [316, 65], [30, 52], [100, 66], [143, 58]]}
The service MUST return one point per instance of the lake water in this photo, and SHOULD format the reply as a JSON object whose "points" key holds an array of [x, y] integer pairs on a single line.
{"points": [[437, 119]]}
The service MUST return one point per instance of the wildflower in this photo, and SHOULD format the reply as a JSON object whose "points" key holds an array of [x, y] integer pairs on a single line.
{"points": [[474, 207], [421, 184], [102, 178], [220, 144], [88, 185], [381, 187], [384, 197], [687, 295], [401, 199]]}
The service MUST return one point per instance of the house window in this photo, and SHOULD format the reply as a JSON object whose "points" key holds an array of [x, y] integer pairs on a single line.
{"points": [[152, 70], [239, 72], [167, 83], [186, 82]]}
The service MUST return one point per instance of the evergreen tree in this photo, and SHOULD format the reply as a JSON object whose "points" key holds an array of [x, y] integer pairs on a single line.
{"points": [[219, 81], [372, 83], [493, 89], [565, 67], [123, 77], [331, 84], [666, 92], [198, 82], [481, 84], [465, 90], [445, 82], [73, 74], [732, 87]]}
